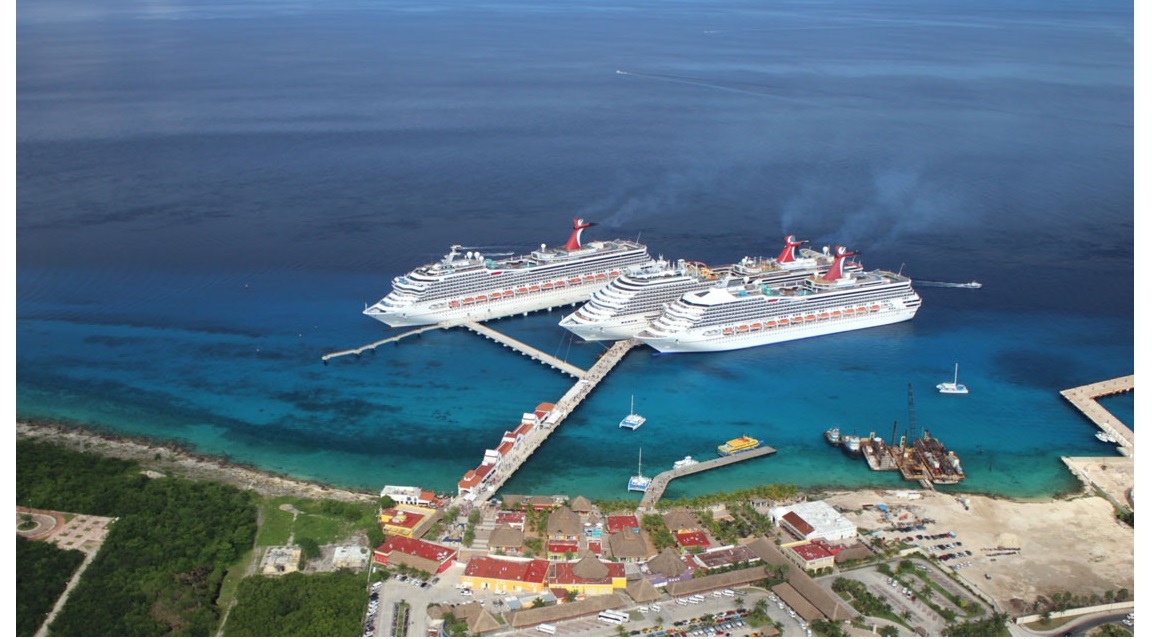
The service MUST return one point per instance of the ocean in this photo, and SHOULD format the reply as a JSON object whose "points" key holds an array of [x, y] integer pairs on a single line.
{"points": [[209, 193]]}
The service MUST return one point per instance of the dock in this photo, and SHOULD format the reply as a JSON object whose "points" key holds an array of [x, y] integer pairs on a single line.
{"points": [[660, 482], [1084, 399], [386, 340], [525, 349], [564, 407]]}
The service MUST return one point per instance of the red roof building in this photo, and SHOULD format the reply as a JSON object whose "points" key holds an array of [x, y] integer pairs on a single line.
{"points": [[503, 574], [797, 525], [401, 550], [563, 549], [621, 522], [513, 518], [813, 555], [691, 539]]}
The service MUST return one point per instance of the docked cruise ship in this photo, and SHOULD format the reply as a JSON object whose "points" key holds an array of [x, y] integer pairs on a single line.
{"points": [[626, 306], [470, 286], [743, 315]]}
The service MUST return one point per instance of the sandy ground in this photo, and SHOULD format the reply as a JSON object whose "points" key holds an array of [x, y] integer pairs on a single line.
{"points": [[1074, 544]]}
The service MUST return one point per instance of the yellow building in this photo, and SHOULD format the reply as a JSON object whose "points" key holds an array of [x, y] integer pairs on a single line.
{"points": [[407, 521], [493, 574]]}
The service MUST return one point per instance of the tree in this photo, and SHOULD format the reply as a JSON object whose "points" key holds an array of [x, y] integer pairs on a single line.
{"points": [[570, 596], [387, 502]]}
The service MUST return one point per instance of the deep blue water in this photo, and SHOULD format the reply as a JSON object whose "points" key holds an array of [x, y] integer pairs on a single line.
{"points": [[208, 193]]}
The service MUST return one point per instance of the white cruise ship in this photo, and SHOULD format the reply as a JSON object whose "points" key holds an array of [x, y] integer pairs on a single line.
{"points": [[743, 315], [626, 306], [472, 287]]}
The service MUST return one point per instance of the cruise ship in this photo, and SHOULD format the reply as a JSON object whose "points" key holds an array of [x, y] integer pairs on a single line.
{"points": [[626, 306], [751, 314], [469, 286]]}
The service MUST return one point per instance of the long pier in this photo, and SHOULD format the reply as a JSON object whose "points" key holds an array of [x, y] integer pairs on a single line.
{"points": [[525, 349], [1084, 399], [563, 407], [386, 340], [659, 483]]}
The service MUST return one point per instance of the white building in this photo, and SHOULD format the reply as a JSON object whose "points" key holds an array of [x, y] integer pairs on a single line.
{"points": [[410, 495], [814, 520]]}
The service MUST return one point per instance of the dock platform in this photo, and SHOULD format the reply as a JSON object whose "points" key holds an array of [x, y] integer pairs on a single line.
{"points": [[525, 349], [660, 482], [1084, 399], [386, 340]]}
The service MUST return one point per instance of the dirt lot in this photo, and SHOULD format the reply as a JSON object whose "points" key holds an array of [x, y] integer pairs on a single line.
{"points": [[1074, 545]]}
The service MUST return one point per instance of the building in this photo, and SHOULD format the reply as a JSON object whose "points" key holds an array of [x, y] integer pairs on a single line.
{"points": [[813, 520], [280, 560], [562, 548], [628, 546], [581, 505], [725, 556], [351, 557], [475, 481], [407, 521], [505, 574], [511, 518], [564, 525], [667, 567], [622, 522], [589, 576], [414, 553], [681, 520], [811, 555], [409, 495], [506, 540], [692, 539]]}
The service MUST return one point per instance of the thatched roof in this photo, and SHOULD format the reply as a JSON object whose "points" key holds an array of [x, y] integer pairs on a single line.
{"points": [[797, 602], [506, 536], [590, 568], [626, 544], [716, 582], [681, 519], [551, 614], [642, 591], [668, 563], [564, 522], [581, 504]]}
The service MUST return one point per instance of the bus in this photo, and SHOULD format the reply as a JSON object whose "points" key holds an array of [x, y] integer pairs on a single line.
{"points": [[614, 617], [547, 628]]}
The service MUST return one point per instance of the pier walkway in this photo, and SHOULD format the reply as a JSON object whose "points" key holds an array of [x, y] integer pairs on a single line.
{"points": [[660, 482], [386, 340], [563, 407], [1084, 398], [525, 349]]}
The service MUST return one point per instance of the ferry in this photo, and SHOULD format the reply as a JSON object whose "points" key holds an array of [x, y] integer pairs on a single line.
{"points": [[470, 286], [749, 314], [639, 482], [633, 420], [739, 445], [629, 303], [832, 436], [684, 463], [953, 387]]}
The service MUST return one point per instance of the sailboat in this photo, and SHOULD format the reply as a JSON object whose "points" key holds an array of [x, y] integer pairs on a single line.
{"points": [[633, 421], [639, 482], [953, 387]]}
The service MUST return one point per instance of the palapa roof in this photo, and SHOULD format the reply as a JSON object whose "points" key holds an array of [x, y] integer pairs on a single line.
{"points": [[479, 620], [626, 544], [828, 605], [590, 568], [642, 591], [797, 602], [505, 536], [716, 582], [564, 522], [680, 519], [551, 614], [581, 504], [668, 563]]}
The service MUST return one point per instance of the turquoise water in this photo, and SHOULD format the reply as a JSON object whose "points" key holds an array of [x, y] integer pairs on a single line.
{"points": [[208, 195]]}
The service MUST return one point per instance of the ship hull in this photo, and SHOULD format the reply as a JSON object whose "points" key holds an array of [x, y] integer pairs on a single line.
{"points": [[694, 340], [615, 329], [425, 313]]}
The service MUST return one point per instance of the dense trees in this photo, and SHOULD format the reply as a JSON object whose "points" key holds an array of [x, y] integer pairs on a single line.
{"points": [[161, 566], [994, 626], [298, 605], [42, 572]]}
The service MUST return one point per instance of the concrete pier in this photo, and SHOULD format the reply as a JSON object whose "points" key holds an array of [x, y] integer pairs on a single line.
{"points": [[386, 340], [563, 407], [525, 349], [1084, 399], [660, 482]]}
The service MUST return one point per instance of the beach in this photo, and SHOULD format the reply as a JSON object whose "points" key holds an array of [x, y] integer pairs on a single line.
{"points": [[1070, 544]]}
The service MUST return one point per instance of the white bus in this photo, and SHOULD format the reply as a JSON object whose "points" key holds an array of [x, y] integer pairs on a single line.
{"points": [[547, 628], [614, 617]]}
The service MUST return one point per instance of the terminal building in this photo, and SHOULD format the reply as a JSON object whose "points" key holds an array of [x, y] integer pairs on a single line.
{"points": [[813, 520]]}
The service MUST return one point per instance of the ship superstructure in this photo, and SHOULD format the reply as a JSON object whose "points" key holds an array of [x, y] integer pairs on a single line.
{"points": [[626, 306], [744, 314], [469, 286]]}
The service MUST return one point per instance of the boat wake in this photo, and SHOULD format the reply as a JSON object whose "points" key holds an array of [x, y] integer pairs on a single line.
{"points": [[972, 284]]}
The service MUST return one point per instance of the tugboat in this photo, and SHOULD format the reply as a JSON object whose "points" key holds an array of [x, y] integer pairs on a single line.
{"points": [[832, 436], [851, 445]]}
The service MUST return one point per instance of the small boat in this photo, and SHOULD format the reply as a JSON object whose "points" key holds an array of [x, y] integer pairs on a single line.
{"points": [[633, 421], [832, 436], [1106, 437], [953, 387], [684, 463], [639, 482], [851, 445]]}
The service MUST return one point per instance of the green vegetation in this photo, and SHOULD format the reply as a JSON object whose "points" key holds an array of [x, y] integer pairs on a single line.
{"points": [[298, 605], [1110, 630], [162, 564], [771, 492], [454, 627], [42, 572], [994, 626], [826, 628], [661, 538], [325, 521], [864, 601]]}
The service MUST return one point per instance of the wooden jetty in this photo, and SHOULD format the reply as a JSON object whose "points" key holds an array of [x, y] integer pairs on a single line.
{"points": [[386, 340], [525, 349], [659, 483], [1084, 399]]}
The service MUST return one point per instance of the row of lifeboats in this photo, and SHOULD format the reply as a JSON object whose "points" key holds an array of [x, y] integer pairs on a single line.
{"points": [[802, 319], [534, 288]]}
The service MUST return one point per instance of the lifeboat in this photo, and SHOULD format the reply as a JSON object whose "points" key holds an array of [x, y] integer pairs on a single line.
{"points": [[861, 310], [481, 298], [560, 283], [728, 331], [588, 278], [849, 311], [742, 329], [874, 308], [756, 326], [494, 295], [601, 276], [810, 318], [507, 293], [469, 300], [769, 324], [613, 273], [823, 316], [534, 287], [548, 285], [454, 303], [797, 320], [782, 322], [575, 280], [522, 290]]}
